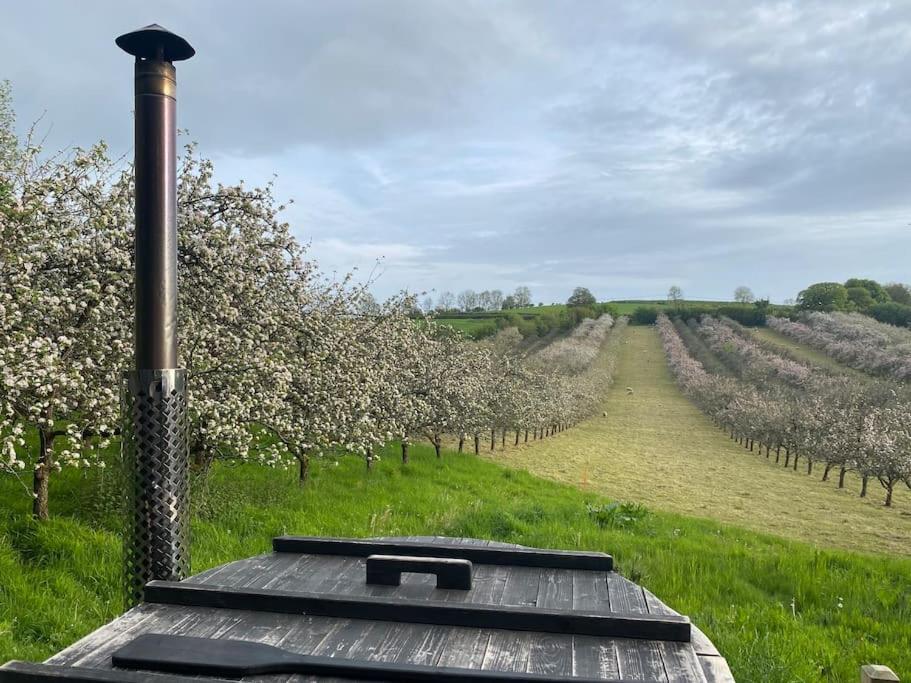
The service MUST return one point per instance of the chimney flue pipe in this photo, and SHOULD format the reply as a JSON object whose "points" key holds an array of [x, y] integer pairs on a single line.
{"points": [[154, 397]]}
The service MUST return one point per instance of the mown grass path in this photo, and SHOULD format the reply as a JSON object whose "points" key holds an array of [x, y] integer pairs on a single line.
{"points": [[655, 447], [807, 353]]}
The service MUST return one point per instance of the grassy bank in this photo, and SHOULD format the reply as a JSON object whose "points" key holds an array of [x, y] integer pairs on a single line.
{"points": [[779, 610]]}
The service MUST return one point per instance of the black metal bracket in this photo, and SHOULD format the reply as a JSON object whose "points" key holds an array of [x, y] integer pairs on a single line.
{"points": [[386, 570]]}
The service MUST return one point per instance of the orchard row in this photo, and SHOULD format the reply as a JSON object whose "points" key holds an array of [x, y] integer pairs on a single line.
{"points": [[284, 363], [761, 397]]}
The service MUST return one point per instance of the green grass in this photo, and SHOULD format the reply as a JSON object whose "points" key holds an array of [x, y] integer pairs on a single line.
{"points": [[466, 325], [807, 353], [539, 310], [59, 580]]}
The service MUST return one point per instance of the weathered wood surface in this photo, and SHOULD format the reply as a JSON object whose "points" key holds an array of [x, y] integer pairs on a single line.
{"points": [[452, 646]]}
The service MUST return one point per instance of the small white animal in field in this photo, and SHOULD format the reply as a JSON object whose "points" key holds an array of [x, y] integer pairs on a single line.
{"points": [[629, 390], [604, 414]]}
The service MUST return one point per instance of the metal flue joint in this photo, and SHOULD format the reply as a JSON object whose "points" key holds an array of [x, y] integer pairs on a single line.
{"points": [[154, 393]]}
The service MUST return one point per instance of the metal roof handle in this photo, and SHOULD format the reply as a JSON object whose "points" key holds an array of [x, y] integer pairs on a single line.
{"points": [[451, 573]]}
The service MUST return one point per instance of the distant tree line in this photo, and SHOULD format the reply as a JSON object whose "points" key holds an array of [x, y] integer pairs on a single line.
{"points": [[889, 303], [500, 312], [470, 301]]}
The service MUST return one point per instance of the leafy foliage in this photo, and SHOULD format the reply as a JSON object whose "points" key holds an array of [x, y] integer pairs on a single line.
{"points": [[581, 297], [616, 515], [823, 296]]}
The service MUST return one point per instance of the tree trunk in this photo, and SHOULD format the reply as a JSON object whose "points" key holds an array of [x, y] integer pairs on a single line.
{"points": [[437, 445], [41, 477], [767, 449], [517, 438], [751, 445], [303, 470], [477, 444], [369, 459], [526, 436], [404, 452], [889, 486], [778, 453], [796, 458], [863, 486], [841, 477], [503, 438], [462, 443], [825, 472], [787, 458], [809, 466], [493, 439]]}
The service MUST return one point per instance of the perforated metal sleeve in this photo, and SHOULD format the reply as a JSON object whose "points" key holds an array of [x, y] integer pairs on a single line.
{"points": [[155, 455]]}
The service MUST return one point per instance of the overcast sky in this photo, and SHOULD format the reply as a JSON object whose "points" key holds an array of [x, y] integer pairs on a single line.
{"points": [[624, 147]]}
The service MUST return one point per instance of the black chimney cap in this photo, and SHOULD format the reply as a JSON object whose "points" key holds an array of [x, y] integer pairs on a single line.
{"points": [[155, 42]]}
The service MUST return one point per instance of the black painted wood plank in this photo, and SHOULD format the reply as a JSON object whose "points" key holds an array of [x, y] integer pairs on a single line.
{"points": [[256, 571], [301, 635], [464, 648], [507, 651], [625, 596], [84, 647], [590, 592], [654, 605], [180, 622], [298, 571], [384, 641], [716, 669], [518, 556], [26, 672], [224, 572], [424, 648], [313, 573], [595, 657], [640, 660], [489, 584], [522, 587], [555, 589], [349, 635], [680, 663], [240, 658], [701, 643], [429, 612], [550, 654]]}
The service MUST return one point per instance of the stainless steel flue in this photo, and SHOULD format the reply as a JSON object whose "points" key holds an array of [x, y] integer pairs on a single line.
{"points": [[154, 392]]}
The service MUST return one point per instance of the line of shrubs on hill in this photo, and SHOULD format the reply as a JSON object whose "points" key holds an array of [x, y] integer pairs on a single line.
{"points": [[751, 315], [534, 324]]}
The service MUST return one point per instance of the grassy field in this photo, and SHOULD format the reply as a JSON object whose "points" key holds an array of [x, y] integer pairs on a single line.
{"points": [[780, 611], [655, 447], [467, 325]]}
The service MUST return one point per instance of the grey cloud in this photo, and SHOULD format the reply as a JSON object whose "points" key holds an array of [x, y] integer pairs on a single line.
{"points": [[626, 146]]}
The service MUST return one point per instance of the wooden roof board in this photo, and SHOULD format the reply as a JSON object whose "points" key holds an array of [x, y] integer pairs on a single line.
{"points": [[543, 587], [432, 645]]}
